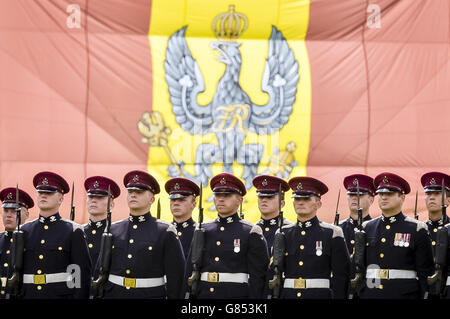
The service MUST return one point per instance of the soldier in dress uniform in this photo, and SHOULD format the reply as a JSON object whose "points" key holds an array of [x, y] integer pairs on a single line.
{"points": [[8, 198], [97, 205], [183, 199], [235, 257], [57, 264], [317, 263], [147, 256], [398, 248], [349, 225], [432, 184]]}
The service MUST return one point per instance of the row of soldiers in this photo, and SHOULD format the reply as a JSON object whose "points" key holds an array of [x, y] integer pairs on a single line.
{"points": [[391, 256]]}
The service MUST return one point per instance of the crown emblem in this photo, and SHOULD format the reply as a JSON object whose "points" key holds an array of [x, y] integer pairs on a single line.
{"points": [[264, 182], [9, 196], [230, 25], [136, 178], [433, 181], [385, 180], [96, 184], [355, 182], [223, 181], [45, 181], [176, 186], [299, 186]]}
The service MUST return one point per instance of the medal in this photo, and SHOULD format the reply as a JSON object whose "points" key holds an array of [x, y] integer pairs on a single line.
{"points": [[319, 248], [237, 245], [396, 239], [407, 239], [402, 240]]}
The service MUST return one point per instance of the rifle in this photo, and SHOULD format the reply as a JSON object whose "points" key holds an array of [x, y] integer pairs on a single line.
{"points": [[198, 244], [72, 207], [416, 215], [440, 258], [158, 210], [279, 247], [105, 254], [336, 217], [14, 282], [360, 248]]}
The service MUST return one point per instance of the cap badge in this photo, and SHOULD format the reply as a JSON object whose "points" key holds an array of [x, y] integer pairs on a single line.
{"points": [[299, 186], [45, 181], [355, 181], [264, 182], [433, 181], [385, 180], [223, 181], [10, 196], [96, 184], [176, 186], [136, 178]]}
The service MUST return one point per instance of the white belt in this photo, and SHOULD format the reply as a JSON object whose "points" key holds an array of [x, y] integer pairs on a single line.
{"points": [[136, 282], [448, 281], [390, 274], [224, 277], [46, 278], [301, 283]]}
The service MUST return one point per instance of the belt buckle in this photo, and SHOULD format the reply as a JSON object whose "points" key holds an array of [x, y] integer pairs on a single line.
{"points": [[213, 277], [39, 279], [129, 282], [384, 273], [299, 283]]}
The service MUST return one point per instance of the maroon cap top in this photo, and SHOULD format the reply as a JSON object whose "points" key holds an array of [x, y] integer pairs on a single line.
{"points": [[267, 185], [432, 181], [181, 187], [227, 183], [304, 187], [49, 182], [390, 182], [98, 186], [8, 198], [141, 180], [365, 184]]}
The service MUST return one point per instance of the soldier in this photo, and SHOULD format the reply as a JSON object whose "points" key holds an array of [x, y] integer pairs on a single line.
{"points": [[8, 198], [349, 225], [267, 188], [97, 202], [398, 248], [183, 199], [432, 184], [235, 258], [147, 257], [56, 258], [317, 264]]}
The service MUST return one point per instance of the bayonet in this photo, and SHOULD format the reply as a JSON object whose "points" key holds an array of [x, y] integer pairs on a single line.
{"points": [[72, 207], [336, 217], [158, 210], [416, 215]]}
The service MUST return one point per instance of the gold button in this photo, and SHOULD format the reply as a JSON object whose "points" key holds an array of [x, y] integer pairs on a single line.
{"points": [[113, 246], [299, 294], [134, 226], [302, 247], [11, 240], [8, 251], [5, 265], [131, 240], [43, 241], [218, 243], [286, 253], [217, 259], [39, 287], [435, 230], [59, 248], [367, 244], [388, 226], [179, 234], [267, 229], [128, 271], [300, 263], [222, 228], [2, 292], [381, 255], [90, 245], [39, 272], [45, 226], [352, 241], [130, 256], [383, 240], [211, 289], [380, 287], [41, 256], [433, 243], [150, 247], [303, 233], [94, 231]]}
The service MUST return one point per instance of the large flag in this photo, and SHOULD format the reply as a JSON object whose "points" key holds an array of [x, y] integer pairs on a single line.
{"points": [[194, 88]]}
